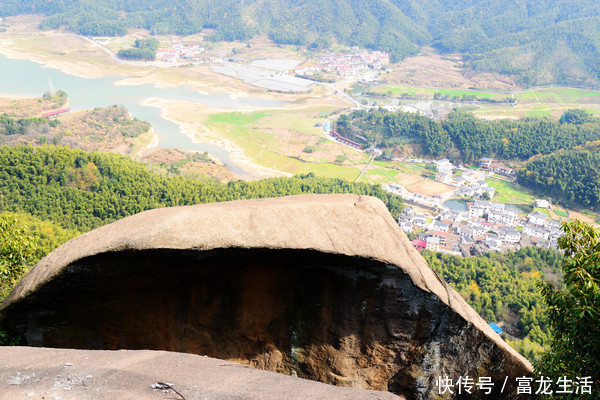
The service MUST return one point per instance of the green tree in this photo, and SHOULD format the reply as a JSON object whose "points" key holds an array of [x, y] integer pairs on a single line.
{"points": [[16, 249], [574, 311]]}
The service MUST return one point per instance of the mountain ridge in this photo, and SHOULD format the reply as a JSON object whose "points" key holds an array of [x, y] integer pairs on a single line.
{"points": [[548, 42]]}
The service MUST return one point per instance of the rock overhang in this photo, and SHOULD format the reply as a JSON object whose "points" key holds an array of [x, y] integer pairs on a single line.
{"points": [[340, 232]]}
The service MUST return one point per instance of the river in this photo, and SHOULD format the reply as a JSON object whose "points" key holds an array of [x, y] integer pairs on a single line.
{"points": [[27, 78]]}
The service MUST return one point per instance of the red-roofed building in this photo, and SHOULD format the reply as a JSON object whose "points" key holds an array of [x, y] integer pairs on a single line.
{"points": [[55, 112], [419, 244]]}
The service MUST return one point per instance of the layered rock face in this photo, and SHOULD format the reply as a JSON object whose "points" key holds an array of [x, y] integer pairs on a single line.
{"points": [[324, 286]]}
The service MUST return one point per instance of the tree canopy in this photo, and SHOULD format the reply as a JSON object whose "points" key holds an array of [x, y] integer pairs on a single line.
{"points": [[81, 190], [572, 176], [16, 249], [472, 137], [574, 312]]}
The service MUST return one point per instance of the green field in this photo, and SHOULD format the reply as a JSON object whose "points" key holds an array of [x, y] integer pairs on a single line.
{"points": [[556, 95], [510, 192], [256, 134], [528, 103], [412, 91], [561, 213]]}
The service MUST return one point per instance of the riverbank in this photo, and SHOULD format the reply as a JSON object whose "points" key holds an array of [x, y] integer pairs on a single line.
{"points": [[179, 112], [84, 58]]}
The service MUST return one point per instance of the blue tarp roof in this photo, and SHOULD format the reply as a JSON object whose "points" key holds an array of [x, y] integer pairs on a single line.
{"points": [[496, 328]]}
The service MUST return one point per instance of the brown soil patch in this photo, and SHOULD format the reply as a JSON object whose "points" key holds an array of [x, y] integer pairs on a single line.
{"points": [[431, 69], [428, 187], [23, 23], [581, 217], [408, 179], [189, 163]]}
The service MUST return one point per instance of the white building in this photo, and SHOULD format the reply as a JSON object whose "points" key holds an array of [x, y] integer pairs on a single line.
{"points": [[497, 207], [406, 225], [537, 218], [537, 231], [504, 217], [553, 224], [478, 230], [419, 222], [440, 226], [542, 203], [444, 171], [475, 211], [464, 231], [509, 235], [433, 243]]}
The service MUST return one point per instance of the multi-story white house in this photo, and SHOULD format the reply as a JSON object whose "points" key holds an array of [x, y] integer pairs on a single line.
{"points": [[537, 231], [553, 224], [419, 222], [497, 207], [444, 171], [509, 235], [478, 230], [464, 230], [433, 243], [505, 217], [476, 211], [406, 225], [440, 226], [537, 218]]}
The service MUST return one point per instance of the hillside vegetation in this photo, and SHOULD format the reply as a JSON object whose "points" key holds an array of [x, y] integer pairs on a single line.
{"points": [[104, 129], [467, 136], [572, 176], [543, 42], [81, 191], [502, 289]]}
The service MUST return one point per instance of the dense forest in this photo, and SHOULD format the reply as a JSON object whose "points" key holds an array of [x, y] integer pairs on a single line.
{"points": [[472, 137], [81, 191], [502, 287], [573, 175], [543, 42], [144, 49]]}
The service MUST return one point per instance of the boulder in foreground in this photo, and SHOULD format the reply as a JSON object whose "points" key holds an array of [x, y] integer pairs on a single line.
{"points": [[325, 286]]}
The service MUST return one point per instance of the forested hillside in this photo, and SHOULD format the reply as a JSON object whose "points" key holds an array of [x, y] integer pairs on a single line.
{"points": [[543, 42], [472, 137], [502, 288], [573, 176], [82, 191]]}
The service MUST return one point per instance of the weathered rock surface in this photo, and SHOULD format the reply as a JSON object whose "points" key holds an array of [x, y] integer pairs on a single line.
{"points": [[326, 286], [41, 373]]}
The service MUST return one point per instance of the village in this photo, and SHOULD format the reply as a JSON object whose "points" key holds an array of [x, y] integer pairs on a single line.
{"points": [[484, 226], [180, 51], [359, 64]]}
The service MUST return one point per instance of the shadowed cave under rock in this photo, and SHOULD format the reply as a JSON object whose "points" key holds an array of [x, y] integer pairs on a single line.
{"points": [[337, 319], [324, 316]]}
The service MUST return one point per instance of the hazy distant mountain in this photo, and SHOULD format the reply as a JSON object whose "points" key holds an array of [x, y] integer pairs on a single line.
{"points": [[544, 41]]}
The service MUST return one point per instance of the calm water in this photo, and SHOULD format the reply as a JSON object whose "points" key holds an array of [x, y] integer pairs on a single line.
{"points": [[26, 78], [456, 205], [460, 205]]}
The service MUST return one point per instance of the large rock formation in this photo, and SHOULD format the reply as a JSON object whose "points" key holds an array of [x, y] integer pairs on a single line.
{"points": [[324, 286]]}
